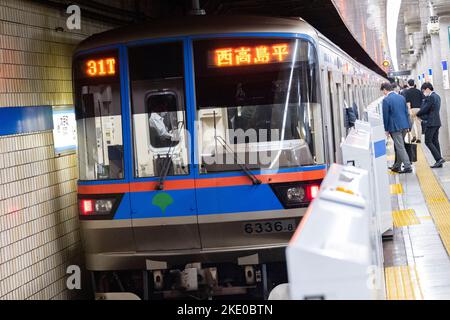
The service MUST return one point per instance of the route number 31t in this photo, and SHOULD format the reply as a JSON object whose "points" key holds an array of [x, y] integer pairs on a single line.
{"points": [[101, 67]]}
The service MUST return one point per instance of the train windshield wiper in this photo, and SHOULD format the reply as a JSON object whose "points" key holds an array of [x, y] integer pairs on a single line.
{"points": [[168, 159], [243, 166]]}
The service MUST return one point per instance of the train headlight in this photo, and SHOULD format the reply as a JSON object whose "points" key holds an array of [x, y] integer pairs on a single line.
{"points": [[104, 206], [98, 207], [295, 194]]}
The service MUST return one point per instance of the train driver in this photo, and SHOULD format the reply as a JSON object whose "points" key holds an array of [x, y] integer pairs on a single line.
{"points": [[160, 125]]}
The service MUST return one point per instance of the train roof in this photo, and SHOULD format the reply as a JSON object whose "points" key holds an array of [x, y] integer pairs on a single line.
{"points": [[197, 25]]}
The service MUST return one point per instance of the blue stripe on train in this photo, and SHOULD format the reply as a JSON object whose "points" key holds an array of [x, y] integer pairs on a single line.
{"points": [[237, 199], [178, 203]]}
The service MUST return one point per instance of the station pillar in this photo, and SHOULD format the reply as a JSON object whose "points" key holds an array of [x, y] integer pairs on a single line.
{"points": [[444, 36], [436, 65]]}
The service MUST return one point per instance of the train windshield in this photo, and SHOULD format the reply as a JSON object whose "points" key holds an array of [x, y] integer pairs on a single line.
{"points": [[99, 116], [258, 104]]}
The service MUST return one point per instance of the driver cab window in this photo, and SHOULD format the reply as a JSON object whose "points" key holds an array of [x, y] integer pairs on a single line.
{"points": [[158, 110], [163, 119]]}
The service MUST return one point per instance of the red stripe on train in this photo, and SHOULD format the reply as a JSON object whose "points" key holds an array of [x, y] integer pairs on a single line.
{"points": [[185, 184]]}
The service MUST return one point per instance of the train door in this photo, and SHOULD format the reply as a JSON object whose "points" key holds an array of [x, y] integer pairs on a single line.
{"points": [[164, 211], [346, 106], [364, 95], [358, 95], [350, 94], [338, 118], [331, 129]]}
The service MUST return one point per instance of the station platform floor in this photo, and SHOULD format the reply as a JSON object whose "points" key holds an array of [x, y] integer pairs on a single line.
{"points": [[417, 257]]}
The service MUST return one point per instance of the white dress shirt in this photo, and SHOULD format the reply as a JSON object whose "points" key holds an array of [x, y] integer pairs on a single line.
{"points": [[157, 123]]}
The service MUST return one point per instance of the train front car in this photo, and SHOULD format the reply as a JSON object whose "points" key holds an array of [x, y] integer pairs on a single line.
{"points": [[199, 154]]}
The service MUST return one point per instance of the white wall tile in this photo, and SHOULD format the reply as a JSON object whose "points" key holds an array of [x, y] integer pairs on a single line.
{"points": [[39, 229]]}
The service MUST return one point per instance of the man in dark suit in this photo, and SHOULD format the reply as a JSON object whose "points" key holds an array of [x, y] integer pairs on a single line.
{"points": [[414, 98], [396, 124], [431, 120]]}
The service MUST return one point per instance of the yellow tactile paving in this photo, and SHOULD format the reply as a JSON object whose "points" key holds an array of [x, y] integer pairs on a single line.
{"points": [[435, 197], [404, 218], [391, 157], [396, 189], [402, 283]]}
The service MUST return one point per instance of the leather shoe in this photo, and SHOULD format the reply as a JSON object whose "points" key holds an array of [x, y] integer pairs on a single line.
{"points": [[396, 170], [439, 164], [418, 141], [405, 171]]}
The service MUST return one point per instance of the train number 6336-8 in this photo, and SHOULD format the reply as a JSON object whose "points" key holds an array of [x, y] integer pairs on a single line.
{"points": [[270, 227]]}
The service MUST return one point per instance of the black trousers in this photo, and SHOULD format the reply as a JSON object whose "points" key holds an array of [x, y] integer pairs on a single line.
{"points": [[432, 142]]}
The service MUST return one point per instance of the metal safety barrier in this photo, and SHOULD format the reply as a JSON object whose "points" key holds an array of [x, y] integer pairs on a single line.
{"points": [[365, 148], [335, 253]]}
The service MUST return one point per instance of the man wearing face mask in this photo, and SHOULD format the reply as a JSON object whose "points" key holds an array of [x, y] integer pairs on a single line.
{"points": [[429, 114]]}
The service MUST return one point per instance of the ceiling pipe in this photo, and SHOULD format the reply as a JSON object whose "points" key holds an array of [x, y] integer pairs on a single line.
{"points": [[196, 10]]}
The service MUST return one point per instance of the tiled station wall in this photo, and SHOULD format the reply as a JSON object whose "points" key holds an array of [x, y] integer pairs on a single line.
{"points": [[39, 229]]}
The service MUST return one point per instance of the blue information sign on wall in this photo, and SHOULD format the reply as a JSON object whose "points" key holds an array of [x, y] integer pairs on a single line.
{"points": [[23, 120]]}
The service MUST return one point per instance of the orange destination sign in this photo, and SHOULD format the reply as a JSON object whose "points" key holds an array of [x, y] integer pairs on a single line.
{"points": [[101, 67], [254, 55]]}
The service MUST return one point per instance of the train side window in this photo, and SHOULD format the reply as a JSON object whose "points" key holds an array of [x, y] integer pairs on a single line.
{"points": [[158, 110], [99, 118]]}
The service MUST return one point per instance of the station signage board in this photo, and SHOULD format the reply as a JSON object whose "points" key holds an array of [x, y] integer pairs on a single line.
{"points": [[445, 75], [64, 129], [433, 25], [400, 73]]}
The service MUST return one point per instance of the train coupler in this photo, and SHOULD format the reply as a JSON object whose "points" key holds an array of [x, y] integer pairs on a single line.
{"points": [[194, 277]]}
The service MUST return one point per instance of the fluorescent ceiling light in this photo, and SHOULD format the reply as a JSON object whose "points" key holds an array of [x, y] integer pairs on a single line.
{"points": [[392, 15]]}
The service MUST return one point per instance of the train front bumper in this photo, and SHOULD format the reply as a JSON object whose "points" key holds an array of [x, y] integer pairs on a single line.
{"points": [[170, 259]]}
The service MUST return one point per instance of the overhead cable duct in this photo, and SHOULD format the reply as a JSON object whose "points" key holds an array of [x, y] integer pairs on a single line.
{"points": [[196, 10]]}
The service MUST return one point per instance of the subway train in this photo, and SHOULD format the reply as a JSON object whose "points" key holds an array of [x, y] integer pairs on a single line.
{"points": [[202, 142]]}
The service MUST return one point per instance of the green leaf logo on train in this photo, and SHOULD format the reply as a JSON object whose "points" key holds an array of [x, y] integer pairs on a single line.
{"points": [[162, 200]]}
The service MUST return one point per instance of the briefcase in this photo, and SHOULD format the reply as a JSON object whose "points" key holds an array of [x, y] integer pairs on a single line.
{"points": [[411, 150]]}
